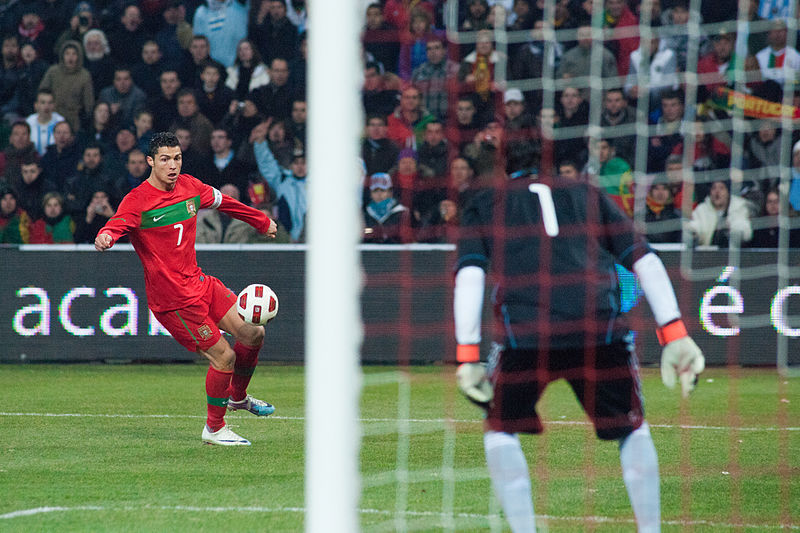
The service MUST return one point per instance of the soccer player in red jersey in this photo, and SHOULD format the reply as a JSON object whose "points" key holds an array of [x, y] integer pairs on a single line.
{"points": [[160, 217]]}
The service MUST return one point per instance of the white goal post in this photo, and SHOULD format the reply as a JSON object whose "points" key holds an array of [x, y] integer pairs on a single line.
{"points": [[333, 272]]}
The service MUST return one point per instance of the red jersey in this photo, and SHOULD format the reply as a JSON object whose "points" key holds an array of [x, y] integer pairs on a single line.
{"points": [[162, 227]]}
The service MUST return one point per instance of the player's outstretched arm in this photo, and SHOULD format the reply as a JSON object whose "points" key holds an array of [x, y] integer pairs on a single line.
{"points": [[681, 358], [103, 242], [471, 375]]}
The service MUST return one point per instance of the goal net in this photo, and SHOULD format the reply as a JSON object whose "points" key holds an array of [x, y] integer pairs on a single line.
{"points": [[684, 114]]}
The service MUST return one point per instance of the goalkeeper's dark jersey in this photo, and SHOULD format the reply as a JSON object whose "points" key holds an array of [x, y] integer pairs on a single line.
{"points": [[551, 248]]}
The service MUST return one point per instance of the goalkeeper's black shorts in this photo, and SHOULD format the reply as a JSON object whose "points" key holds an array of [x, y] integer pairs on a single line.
{"points": [[604, 378]]}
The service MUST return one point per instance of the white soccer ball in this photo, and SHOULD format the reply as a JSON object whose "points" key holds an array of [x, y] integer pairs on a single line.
{"points": [[257, 304]]}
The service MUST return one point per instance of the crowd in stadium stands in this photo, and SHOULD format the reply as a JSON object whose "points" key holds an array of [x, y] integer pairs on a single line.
{"points": [[84, 85]]}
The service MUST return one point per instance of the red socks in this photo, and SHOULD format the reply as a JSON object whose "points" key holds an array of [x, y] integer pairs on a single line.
{"points": [[246, 361], [217, 383]]}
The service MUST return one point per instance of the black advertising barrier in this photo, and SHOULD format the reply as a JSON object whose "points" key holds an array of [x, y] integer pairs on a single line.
{"points": [[70, 303]]}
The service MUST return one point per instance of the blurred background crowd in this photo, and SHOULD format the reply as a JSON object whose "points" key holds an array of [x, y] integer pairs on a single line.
{"points": [[84, 85]]}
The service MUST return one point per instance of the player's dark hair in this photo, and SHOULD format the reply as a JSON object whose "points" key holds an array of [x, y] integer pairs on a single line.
{"points": [[162, 139], [376, 116]]}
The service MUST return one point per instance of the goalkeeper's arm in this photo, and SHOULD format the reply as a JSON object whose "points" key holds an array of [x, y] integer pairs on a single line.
{"points": [[681, 357], [467, 308]]}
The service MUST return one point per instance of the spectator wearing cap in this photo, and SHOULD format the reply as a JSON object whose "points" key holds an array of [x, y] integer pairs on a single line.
{"points": [[224, 23], [288, 185], [431, 77], [14, 221], [778, 61], [661, 218], [97, 59], [722, 218], [519, 131], [386, 221], [82, 20], [577, 61], [71, 84]]}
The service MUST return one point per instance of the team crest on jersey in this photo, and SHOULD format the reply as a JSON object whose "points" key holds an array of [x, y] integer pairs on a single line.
{"points": [[204, 331], [190, 207]]}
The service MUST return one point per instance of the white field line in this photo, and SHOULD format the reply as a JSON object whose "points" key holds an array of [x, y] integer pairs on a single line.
{"points": [[384, 512], [395, 420]]}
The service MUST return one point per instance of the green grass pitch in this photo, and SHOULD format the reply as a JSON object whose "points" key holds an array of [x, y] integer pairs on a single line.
{"points": [[117, 448]]}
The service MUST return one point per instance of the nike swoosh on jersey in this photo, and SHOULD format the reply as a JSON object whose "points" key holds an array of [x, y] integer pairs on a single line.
{"points": [[156, 219]]}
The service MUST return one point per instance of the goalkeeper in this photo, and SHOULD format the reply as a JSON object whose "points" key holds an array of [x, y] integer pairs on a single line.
{"points": [[551, 245]]}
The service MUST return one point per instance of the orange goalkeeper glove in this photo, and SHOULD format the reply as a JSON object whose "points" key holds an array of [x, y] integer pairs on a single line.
{"points": [[471, 377], [681, 358]]}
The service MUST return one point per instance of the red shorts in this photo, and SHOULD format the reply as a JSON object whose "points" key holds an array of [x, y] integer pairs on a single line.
{"points": [[605, 380], [196, 326]]}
